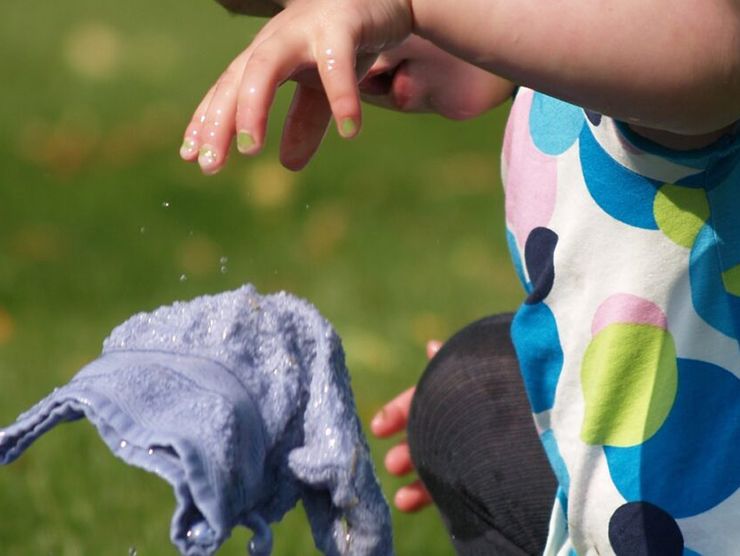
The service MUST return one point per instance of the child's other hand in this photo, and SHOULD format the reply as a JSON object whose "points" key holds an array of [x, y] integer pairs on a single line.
{"points": [[418, 76], [389, 421], [338, 40]]}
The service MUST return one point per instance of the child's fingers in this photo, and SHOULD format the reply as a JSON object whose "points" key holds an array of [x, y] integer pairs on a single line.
{"points": [[398, 460], [392, 418], [305, 126], [191, 140], [270, 64], [433, 346], [218, 122], [335, 60], [412, 498]]}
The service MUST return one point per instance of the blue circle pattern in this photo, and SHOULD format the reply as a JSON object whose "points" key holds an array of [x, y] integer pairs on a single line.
{"points": [[725, 204], [683, 468], [620, 192], [554, 124], [711, 301], [537, 343], [516, 259], [558, 466]]}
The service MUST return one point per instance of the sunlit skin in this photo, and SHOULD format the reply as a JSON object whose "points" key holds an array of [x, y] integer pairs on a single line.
{"points": [[673, 66]]}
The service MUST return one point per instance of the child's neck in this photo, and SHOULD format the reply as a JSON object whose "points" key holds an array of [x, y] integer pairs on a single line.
{"points": [[680, 142]]}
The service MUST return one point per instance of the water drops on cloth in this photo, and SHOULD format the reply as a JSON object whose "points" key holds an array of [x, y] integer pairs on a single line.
{"points": [[242, 402]]}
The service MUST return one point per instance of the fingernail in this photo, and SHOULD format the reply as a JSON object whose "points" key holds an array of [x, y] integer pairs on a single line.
{"points": [[207, 158], [379, 418], [188, 148], [244, 142], [348, 128], [377, 421]]}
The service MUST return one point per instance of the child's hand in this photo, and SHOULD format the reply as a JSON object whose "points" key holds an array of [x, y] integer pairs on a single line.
{"points": [[418, 76], [338, 39], [391, 420]]}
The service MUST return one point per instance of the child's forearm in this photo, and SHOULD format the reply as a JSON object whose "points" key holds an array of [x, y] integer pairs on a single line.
{"points": [[668, 64]]}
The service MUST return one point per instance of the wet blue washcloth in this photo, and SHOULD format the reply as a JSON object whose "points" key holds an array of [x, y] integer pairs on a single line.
{"points": [[243, 404]]}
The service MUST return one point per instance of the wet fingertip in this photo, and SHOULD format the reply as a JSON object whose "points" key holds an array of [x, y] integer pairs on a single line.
{"points": [[188, 149], [388, 463], [208, 160], [403, 499], [348, 127], [245, 142], [377, 422]]}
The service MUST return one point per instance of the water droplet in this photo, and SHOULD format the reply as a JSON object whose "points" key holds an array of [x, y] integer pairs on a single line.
{"points": [[201, 534], [224, 269], [308, 206], [165, 204], [142, 230], [150, 452], [132, 551], [183, 277], [123, 444], [223, 260]]}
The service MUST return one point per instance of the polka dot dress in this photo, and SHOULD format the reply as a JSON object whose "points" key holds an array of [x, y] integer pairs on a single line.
{"points": [[628, 339]]}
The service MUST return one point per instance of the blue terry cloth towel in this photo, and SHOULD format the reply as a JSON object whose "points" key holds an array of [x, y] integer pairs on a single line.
{"points": [[243, 404]]}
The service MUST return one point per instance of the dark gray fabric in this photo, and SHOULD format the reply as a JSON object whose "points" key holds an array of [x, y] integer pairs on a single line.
{"points": [[474, 444]]}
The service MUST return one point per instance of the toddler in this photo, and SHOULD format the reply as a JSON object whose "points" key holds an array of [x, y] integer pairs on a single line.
{"points": [[621, 168]]}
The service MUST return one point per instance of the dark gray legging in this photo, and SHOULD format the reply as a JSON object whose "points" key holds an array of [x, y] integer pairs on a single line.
{"points": [[475, 446]]}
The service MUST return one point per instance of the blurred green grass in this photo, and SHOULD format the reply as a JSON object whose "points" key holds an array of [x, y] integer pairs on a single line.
{"points": [[396, 237]]}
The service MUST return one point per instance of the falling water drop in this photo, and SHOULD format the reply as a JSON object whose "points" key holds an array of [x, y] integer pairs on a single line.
{"points": [[183, 277], [132, 551], [165, 204], [142, 230]]}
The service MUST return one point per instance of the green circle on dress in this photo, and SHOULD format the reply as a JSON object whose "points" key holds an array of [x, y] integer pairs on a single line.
{"points": [[629, 378]]}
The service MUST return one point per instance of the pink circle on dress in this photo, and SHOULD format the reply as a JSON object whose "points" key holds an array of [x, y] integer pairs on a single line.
{"points": [[531, 176], [626, 308]]}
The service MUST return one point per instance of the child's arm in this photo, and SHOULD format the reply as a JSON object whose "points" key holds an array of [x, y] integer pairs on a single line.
{"points": [[418, 76], [668, 64], [415, 76], [672, 65]]}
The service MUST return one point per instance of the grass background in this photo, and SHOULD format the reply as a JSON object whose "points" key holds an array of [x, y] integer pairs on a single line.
{"points": [[396, 237]]}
